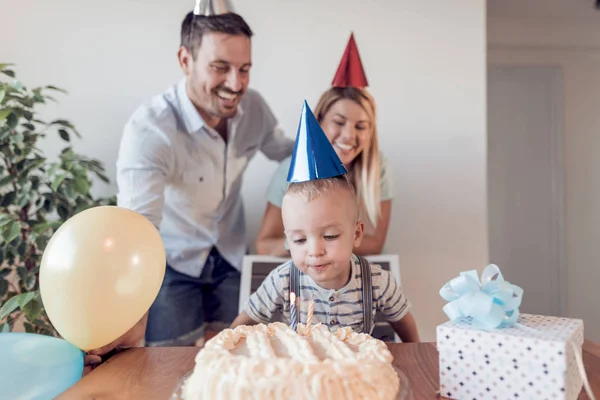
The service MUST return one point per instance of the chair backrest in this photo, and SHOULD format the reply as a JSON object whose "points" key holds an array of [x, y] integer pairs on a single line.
{"points": [[256, 268]]}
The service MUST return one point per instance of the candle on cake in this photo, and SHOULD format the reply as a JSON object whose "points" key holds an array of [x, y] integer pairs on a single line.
{"points": [[311, 311], [293, 311]]}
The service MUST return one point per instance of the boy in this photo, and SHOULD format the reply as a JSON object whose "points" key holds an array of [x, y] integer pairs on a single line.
{"points": [[320, 218]]}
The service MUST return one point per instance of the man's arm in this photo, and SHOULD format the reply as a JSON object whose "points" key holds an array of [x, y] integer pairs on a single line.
{"points": [[274, 145], [143, 165], [142, 168]]}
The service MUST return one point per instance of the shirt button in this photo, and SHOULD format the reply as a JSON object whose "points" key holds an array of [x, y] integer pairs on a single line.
{"points": [[333, 322], [331, 298]]}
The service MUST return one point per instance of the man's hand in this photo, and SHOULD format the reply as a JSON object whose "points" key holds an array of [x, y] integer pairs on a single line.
{"points": [[130, 339], [90, 362]]}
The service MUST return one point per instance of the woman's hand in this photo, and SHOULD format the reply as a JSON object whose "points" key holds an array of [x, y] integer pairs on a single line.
{"points": [[271, 238]]}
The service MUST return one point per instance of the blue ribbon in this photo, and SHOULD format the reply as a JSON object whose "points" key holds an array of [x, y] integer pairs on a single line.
{"points": [[489, 304]]}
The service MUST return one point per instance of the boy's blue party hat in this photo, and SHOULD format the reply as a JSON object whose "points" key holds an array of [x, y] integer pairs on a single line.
{"points": [[314, 157]]}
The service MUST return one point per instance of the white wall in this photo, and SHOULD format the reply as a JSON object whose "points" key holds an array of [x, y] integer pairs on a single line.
{"points": [[425, 60], [573, 44]]}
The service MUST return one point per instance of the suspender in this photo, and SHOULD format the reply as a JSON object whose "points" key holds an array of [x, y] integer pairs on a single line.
{"points": [[295, 285], [367, 294], [367, 291]]}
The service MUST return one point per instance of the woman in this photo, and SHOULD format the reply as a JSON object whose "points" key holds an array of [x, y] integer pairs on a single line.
{"points": [[348, 117]]}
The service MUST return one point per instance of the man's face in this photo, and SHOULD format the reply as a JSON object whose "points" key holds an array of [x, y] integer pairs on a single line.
{"points": [[219, 75]]}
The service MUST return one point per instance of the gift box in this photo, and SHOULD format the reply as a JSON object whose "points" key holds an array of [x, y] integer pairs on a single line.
{"points": [[488, 350], [535, 359]]}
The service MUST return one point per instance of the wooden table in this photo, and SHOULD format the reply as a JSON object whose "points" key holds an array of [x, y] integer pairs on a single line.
{"points": [[152, 373]]}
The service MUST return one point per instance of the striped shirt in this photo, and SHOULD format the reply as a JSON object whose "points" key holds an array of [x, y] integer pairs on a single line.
{"points": [[334, 308]]}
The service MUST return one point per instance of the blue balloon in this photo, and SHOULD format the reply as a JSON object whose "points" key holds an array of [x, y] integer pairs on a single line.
{"points": [[37, 367], [313, 157]]}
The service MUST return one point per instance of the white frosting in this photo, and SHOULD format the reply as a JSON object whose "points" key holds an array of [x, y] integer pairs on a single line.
{"points": [[274, 362]]}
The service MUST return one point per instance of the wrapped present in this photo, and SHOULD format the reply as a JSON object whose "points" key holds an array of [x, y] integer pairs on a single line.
{"points": [[488, 350]]}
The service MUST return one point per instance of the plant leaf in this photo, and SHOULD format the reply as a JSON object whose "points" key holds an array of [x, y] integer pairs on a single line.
{"points": [[81, 185], [25, 298], [18, 138], [3, 287], [28, 327], [8, 72], [12, 120], [41, 242], [14, 230], [33, 309], [8, 199], [2, 94], [15, 83], [7, 179], [5, 219], [62, 122], [5, 113], [30, 282], [64, 135], [51, 87], [63, 211], [9, 307], [52, 169], [57, 182], [41, 228]]}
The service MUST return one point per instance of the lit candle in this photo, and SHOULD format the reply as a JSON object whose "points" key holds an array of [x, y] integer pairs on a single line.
{"points": [[293, 311], [311, 310]]}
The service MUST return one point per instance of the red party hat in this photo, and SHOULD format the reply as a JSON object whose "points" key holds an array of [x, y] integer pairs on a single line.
{"points": [[350, 72]]}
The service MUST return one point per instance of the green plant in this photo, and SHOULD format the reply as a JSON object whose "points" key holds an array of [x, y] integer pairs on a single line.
{"points": [[36, 196]]}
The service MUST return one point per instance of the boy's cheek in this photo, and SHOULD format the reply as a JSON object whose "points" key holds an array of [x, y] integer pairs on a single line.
{"points": [[301, 267], [297, 258]]}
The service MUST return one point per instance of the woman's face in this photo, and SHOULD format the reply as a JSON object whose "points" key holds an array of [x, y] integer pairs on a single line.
{"points": [[348, 128]]}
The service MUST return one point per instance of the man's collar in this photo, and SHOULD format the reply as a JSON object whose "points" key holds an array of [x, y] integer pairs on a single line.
{"points": [[191, 117]]}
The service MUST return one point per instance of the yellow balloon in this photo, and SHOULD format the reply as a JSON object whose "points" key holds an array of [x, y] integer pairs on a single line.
{"points": [[100, 273]]}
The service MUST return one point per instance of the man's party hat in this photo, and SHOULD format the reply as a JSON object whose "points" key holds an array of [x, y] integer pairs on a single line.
{"points": [[209, 8]]}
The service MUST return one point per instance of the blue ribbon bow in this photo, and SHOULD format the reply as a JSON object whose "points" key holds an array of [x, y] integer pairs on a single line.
{"points": [[489, 304]]}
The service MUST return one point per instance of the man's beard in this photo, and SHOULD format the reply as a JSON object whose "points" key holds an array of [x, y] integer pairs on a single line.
{"points": [[221, 95]]}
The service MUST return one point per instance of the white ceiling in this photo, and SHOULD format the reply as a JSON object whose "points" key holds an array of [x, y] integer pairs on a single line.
{"points": [[559, 10]]}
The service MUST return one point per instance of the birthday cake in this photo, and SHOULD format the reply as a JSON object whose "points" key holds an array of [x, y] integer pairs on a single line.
{"points": [[275, 362]]}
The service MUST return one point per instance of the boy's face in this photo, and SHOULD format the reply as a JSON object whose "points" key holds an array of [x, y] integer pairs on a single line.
{"points": [[322, 234]]}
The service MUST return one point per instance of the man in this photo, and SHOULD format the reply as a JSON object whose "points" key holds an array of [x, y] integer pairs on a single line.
{"points": [[180, 164]]}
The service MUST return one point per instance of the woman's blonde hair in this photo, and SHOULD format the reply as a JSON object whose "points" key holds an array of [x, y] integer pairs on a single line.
{"points": [[366, 168]]}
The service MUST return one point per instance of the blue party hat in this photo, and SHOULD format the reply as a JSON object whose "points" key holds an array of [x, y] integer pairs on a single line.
{"points": [[314, 157]]}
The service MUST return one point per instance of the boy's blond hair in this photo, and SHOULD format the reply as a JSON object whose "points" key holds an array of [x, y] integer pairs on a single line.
{"points": [[312, 189]]}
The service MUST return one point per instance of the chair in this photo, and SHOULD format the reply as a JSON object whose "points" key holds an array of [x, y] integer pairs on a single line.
{"points": [[255, 269]]}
